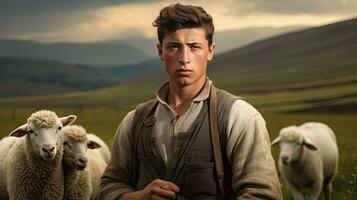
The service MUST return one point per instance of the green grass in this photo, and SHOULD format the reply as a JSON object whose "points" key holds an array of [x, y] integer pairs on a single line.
{"points": [[100, 112], [345, 128], [104, 121]]}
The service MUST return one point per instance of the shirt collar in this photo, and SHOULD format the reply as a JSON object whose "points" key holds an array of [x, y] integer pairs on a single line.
{"points": [[163, 91]]}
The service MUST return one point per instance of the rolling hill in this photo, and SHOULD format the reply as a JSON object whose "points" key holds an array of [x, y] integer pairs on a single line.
{"points": [[325, 53], [225, 40], [65, 54], [95, 54], [313, 70], [30, 76], [33, 77]]}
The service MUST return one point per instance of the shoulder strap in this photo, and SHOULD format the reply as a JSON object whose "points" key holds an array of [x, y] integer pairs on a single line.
{"points": [[215, 139], [146, 109], [142, 112]]}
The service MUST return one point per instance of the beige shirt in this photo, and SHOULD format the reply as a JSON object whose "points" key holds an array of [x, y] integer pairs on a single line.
{"points": [[248, 144]]}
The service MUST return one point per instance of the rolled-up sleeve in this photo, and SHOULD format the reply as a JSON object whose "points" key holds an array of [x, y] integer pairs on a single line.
{"points": [[248, 150], [117, 175]]}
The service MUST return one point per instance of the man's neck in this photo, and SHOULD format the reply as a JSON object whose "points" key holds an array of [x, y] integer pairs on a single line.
{"points": [[180, 97]]}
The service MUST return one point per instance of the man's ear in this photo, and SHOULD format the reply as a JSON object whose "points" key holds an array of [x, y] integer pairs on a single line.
{"points": [[159, 51], [211, 50]]}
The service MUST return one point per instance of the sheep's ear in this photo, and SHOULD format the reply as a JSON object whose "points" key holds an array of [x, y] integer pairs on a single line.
{"points": [[276, 142], [68, 120], [309, 144], [93, 145], [20, 131]]}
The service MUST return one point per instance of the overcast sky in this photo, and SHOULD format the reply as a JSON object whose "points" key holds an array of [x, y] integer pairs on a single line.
{"points": [[102, 20]]}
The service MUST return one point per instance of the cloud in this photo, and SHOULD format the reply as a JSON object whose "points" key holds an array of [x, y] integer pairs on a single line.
{"points": [[124, 21], [44, 23], [51, 19], [93, 20], [292, 7], [32, 7]]}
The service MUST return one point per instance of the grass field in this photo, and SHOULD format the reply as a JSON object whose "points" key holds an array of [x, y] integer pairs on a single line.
{"points": [[103, 120]]}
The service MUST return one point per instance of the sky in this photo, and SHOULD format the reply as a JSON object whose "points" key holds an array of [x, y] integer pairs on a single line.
{"points": [[105, 20]]}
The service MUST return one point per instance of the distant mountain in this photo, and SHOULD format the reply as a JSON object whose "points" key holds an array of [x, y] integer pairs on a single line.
{"points": [[95, 54], [124, 51], [326, 53], [225, 40], [133, 71], [313, 70], [234, 39], [31, 76]]}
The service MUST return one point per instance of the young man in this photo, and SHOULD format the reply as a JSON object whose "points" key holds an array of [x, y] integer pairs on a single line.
{"points": [[166, 149]]}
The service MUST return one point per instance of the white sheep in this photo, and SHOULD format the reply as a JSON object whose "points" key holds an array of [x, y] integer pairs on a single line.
{"points": [[33, 164], [82, 168], [308, 159], [104, 149], [5, 145]]}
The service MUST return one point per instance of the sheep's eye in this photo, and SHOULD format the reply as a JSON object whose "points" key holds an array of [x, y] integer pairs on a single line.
{"points": [[298, 144], [60, 128], [29, 131]]}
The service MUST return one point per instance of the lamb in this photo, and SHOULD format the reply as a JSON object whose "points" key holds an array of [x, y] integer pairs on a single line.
{"points": [[104, 149], [308, 159], [82, 168], [5, 145], [33, 166]]}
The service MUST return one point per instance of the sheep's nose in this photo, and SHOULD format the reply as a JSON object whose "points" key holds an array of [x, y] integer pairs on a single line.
{"points": [[285, 159], [83, 160], [48, 149]]}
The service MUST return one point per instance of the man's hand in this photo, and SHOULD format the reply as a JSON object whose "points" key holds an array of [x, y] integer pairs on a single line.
{"points": [[156, 190]]}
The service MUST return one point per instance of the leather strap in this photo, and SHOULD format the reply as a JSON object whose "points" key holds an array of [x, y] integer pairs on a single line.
{"points": [[215, 139], [144, 111], [141, 114]]}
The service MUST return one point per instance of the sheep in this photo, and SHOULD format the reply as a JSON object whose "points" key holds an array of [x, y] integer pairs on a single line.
{"points": [[82, 168], [104, 149], [33, 164], [308, 159], [5, 145]]}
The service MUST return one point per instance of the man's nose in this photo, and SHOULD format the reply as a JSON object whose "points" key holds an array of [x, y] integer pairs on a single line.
{"points": [[185, 55]]}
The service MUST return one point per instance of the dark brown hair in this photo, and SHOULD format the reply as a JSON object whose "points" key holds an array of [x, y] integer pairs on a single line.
{"points": [[177, 16]]}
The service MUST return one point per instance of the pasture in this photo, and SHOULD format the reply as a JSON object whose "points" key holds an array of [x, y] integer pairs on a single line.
{"points": [[104, 121], [332, 101]]}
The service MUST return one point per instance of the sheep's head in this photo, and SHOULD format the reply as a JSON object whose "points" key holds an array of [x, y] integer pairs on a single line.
{"points": [[44, 129], [291, 143], [76, 143]]}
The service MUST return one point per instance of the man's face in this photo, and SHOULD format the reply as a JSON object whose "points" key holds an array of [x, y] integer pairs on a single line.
{"points": [[185, 53]]}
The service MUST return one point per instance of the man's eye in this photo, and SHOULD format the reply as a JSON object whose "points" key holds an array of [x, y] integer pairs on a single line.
{"points": [[173, 47]]}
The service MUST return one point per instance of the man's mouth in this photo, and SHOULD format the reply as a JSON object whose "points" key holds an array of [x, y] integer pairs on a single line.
{"points": [[184, 71]]}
